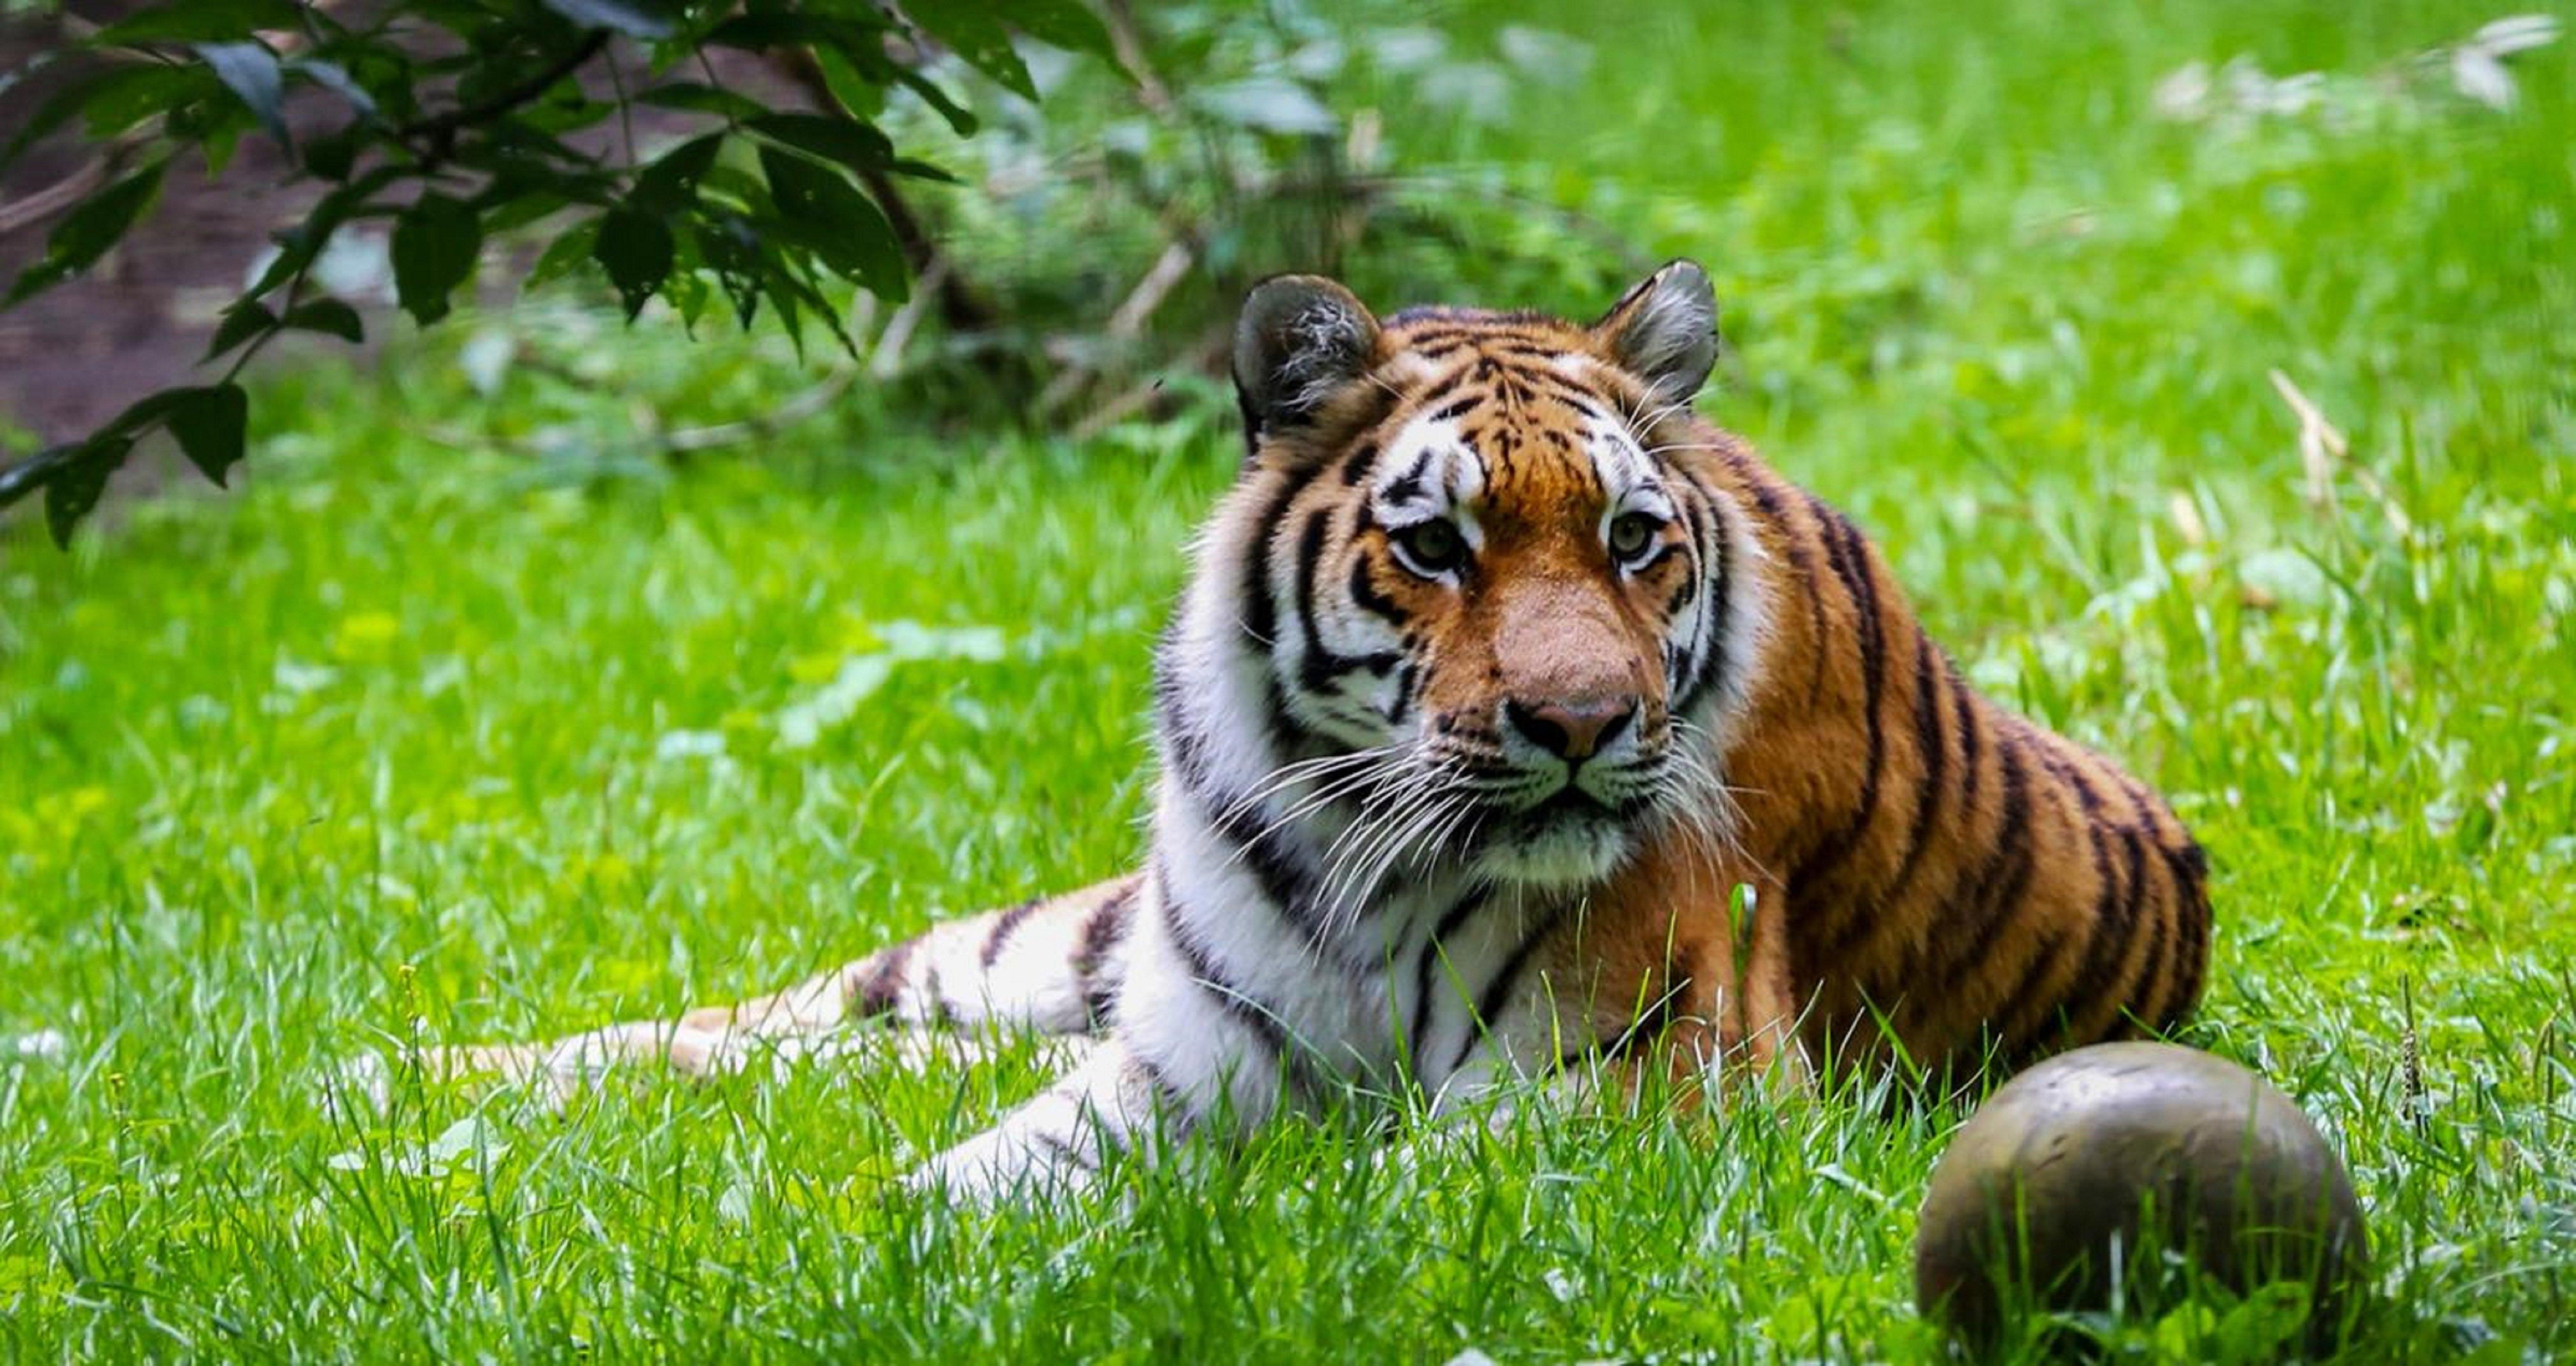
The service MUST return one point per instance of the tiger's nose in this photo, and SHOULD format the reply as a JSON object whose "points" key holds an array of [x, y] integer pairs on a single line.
{"points": [[1571, 732]]}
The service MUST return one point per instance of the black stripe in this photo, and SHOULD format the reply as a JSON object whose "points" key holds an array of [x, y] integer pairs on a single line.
{"points": [[1060, 1149], [1237, 1004], [1662, 553], [2106, 938], [2001, 877], [1355, 466], [1364, 592], [2000, 1026], [1102, 931], [2187, 866], [1459, 409], [1406, 487], [2184, 868], [999, 937], [1935, 748], [1175, 1101], [1260, 612], [1320, 666], [883, 990], [1419, 336], [1497, 992], [1766, 500], [1721, 573], [1315, 668], [2074, 776], [1851, 565], [1970, 747], [1406, 677], [1286, 883], [2137, 997], [1440, 930], [1965, 711]]}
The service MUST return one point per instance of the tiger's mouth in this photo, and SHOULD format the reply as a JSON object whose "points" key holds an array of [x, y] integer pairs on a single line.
{"points": [[1572, 829], [1568, 836]]}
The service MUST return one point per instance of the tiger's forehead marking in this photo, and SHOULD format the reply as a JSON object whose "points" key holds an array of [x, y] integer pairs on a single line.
{"points": [[1502, 421]]}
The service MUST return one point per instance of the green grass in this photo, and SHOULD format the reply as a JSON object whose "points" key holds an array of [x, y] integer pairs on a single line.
{"points": [[378, 748]]}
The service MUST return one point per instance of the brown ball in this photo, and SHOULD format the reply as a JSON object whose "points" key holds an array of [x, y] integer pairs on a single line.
{"points": [[2150, 1148]]}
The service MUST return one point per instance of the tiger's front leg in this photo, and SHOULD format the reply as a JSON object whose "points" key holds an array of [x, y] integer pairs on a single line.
{"points": [[1682, 969], [1189, 1058]]}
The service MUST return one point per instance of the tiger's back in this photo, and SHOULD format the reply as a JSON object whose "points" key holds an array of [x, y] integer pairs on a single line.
{"points": [[1962, 877]]}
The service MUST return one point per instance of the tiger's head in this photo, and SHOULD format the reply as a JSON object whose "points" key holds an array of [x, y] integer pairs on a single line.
{"points": [[1466, 579]]}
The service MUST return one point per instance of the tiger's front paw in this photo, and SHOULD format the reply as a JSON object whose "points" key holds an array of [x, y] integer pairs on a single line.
{"points": [[999, 1167]]}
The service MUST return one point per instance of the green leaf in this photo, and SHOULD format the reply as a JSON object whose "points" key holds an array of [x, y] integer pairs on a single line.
{"points": [[847, 141], [251, 72], [635, 249], [246, 319], [703, 99], [86, 233], [328, 316], [961, 120], [672, 180], [828, 216], [761, 31], [333, 155], [564, 254], [735, 253], [979, 39], [786, 285], [687, 290], [209, 424], [199, 21], [1061, 23], [634, 18], [140, 415], [135, 93], [116, 97], [217, 146], [74, 489], [2257, 1327], [861, 96], [435, 243]]}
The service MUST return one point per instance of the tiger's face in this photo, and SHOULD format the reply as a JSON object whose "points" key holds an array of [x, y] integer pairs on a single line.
{"points": [[1477, 581]]}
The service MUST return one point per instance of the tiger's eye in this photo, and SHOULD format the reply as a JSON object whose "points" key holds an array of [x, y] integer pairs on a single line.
{"points": [[1633, 534], [1434, 546]]}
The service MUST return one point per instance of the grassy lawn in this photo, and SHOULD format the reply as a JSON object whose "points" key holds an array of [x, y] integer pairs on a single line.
{"points": [[416, 739]]}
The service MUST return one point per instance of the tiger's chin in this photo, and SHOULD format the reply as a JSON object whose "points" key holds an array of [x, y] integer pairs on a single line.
{"points": [[1557, 850]]}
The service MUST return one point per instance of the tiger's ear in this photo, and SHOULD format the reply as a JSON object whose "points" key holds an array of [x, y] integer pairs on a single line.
{"points": [[1664, 331], [1301, 338]]}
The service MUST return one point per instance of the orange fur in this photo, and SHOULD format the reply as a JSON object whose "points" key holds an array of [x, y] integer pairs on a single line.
{"points": [[1966, 883]]}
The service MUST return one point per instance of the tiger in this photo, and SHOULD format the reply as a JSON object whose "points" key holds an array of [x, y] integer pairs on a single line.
{"points": [[1515, 722]]}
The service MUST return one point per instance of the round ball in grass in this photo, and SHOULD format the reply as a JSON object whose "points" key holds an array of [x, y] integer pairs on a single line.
{"points": [[2085, 1174]]}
